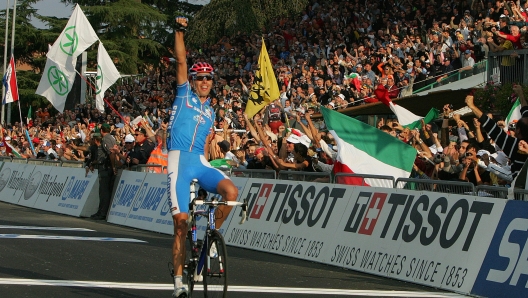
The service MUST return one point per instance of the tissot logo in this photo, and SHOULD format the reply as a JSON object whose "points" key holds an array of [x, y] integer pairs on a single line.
{"points": [[372, 214], [299, 204], [422, 219]]}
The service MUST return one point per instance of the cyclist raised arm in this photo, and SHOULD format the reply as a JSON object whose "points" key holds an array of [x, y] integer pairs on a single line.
{"points": [[190, 124]]}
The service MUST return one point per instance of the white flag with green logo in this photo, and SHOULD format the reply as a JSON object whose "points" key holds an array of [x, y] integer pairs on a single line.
{"points": [[76, 37], [56, 82], [107, 75]]}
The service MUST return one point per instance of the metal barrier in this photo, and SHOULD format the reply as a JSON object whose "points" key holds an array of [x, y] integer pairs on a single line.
{"points": [[265, 174], [455, 75], [19, 160], [499, 192], [379, 180], [507, 67], [305, 176], [149, 168], [520, 194], [72, 164], [52, 163], [454, 187], [34, 161]]}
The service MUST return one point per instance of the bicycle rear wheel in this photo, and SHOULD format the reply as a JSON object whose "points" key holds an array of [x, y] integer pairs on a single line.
{"points": [[215, 271], [189, 264]]}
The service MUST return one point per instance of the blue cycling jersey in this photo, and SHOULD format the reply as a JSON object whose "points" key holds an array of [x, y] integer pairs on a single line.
{"points": [[190, 121]]}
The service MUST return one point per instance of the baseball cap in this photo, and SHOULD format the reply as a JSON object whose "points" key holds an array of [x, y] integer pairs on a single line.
{"points": [[482, 152], [224, 145], [342, 96], [259, 150], [129, 138], [36, 140], [7, 138], [467, 52]]}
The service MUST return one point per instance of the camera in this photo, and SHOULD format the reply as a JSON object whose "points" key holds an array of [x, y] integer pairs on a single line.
{"points": [[438, 158], [511, 126]]}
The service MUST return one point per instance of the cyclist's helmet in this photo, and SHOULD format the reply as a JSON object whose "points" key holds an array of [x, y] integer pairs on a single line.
{"points": [[201, 67]]}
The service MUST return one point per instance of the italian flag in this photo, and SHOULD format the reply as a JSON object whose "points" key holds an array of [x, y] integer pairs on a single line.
{"points": [[405, 117], [515, 113], [363, 149], [355, 79], [11, 149]]}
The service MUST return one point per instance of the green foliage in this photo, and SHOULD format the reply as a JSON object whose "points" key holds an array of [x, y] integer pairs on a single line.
{"points": [[497, 99], [227, 17]]}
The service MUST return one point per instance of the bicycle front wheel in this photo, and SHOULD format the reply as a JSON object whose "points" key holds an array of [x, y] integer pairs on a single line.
{"points": [[215, 271]]}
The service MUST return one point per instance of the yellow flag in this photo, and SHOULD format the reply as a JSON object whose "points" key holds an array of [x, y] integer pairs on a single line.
{"points": [[265, 88]]}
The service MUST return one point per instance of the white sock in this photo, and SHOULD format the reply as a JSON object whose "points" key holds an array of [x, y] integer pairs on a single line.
{"points": [[178, 281]]}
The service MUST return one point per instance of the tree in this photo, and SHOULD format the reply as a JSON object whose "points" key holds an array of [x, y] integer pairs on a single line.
{"points": [[227, 17]]}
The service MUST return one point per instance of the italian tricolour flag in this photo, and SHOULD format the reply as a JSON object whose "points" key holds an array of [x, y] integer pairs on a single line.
{"points": [[363, 149], [514, 114]]}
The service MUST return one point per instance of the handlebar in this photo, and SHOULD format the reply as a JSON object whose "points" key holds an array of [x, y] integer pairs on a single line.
{"points": [[227, 203]]}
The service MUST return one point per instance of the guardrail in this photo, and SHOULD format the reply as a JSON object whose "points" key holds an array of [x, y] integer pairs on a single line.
{"points": [[380, 180], [507, 66], [265, 174], [34, 161], [149, 168], [455, 75], [455, 187], [498, 192], [305, 176]]}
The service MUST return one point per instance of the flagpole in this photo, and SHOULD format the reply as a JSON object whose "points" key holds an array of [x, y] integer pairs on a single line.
{"points": [[5, 59], [12, 54]]}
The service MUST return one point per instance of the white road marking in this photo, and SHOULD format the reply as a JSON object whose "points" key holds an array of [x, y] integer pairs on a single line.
{"points": [[245, 289], [51, 237], [45, 228]]}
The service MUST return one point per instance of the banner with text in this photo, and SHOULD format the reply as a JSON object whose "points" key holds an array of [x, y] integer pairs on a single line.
{"points": [[125, 193], [433, 239], [68, 191], [505, 268], [14, 178]]}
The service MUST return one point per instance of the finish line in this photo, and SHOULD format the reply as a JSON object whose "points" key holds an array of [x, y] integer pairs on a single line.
{"points": [[199, 287]]}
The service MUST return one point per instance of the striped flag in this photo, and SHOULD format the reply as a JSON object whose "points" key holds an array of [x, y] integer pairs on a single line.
{"points": [[355, 79], [10, 83], [515, 113], [405, 117], [11, 149], [363, 149]]}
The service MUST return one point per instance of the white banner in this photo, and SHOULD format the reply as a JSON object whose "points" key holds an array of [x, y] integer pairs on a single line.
{"points": [[107, 75], [126, 190], [69, 191], [40, 183], [150, 210], [434, 239], [14, 178]]}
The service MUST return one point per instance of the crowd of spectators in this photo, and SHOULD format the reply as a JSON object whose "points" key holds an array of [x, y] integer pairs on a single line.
{"points": [[334, 54]]}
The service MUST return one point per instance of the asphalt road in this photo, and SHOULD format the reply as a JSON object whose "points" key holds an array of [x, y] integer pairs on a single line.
{"points": [[88, 258]]}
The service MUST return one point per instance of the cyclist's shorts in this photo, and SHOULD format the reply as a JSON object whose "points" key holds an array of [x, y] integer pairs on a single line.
{"points": [[182, 168]]}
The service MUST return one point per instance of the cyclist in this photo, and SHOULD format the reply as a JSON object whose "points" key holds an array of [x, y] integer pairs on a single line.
{"points": [[190, 131]]}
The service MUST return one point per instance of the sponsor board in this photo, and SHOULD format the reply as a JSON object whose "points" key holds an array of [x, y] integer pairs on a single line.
{"points": [[295, 219], [69, 191], [40, 183], [127, 188], [504, 272], [434, 239], [150, 210], [14, 178]]}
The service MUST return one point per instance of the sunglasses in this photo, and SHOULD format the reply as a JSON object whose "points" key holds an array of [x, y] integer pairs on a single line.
{"points": [[206, 77]]}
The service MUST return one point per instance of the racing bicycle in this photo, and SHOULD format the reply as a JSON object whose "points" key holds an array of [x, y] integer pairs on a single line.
{"points": [[206, 260]]}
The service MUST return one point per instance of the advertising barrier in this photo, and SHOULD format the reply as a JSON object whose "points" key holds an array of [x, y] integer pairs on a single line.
{"points": [[14, 178], [126, 190], [505, 267], [41, 183], [141, 201], [68, 191], [433, 239]]}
